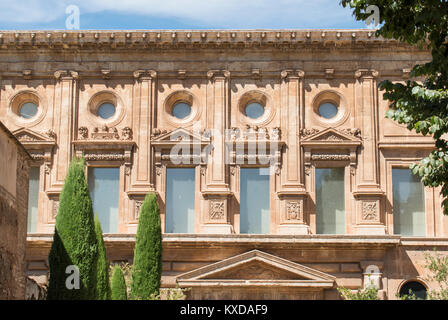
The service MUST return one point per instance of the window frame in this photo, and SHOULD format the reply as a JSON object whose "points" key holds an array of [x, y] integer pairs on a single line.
{"points": [[39, 205], [392, 227], [428, 195], [347, 194], [196, 208], [237, 220], [109, 164]]}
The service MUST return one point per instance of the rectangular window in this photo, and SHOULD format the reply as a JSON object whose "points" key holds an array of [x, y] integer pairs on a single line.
{"points": [[33, 199], [180, 194], [104, 186], [254, 201], [409, 203], [330, 201]]}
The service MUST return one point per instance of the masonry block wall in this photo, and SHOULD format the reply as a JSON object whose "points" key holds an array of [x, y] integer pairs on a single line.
{"points": [[13, 215]]}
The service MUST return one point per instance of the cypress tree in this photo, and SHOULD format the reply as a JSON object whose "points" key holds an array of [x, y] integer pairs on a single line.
{"points": [[74, 241], [147, 268], [102, 266], [118, 285]]}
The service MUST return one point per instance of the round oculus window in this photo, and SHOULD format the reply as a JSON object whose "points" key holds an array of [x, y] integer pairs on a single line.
{"points": [[327, 110], [28, 110], [181, 110], [254, 110], [106, 110]]}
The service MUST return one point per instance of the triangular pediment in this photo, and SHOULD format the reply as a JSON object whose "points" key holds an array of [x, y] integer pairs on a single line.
{"points": [[27, 136], [257, 267], [333, 135], [179, 134]]}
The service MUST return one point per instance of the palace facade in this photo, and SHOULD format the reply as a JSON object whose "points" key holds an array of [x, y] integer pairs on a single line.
{"points": [[277, 174]]}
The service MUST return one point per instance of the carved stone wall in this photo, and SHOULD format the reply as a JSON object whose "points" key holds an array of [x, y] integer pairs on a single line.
{"points": [[289, 72]]}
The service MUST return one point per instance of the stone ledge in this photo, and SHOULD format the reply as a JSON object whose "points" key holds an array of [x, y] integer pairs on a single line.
{"points": [[425, 242], [198, 240]]}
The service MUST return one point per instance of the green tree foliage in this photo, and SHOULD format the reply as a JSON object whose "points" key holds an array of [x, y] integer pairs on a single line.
{"points": [[147, 268], [437, 264], [118, 285], [369, 293], [102, 266], [421, 105], [74, 240]]}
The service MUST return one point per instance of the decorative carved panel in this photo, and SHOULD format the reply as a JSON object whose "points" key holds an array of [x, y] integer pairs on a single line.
{"points": [[55, 209], [294, 210], [217, 210], [138, 206], [370, 211], [255, 271]]}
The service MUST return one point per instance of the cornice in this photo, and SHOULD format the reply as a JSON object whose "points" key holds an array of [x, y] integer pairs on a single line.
{"points": [[185, 39]]}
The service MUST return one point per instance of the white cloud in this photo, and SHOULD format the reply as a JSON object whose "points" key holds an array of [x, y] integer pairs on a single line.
{"points": [[211, 13]]}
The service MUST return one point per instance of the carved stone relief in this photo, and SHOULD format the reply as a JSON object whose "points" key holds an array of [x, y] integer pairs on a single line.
{"points": [[217, 210], [370, 211], [294, 210]]}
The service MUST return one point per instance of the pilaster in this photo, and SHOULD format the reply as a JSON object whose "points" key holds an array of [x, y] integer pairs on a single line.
{"points": [[215, 214], [292, 194], [368, 194]]}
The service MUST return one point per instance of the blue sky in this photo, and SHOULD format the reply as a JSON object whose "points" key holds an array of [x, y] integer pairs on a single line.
{"points": [[178, 14]]}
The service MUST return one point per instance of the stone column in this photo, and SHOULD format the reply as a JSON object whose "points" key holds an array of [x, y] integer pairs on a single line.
{"points": [[368, 193], [215, 214], [63, 115], [292, 193], [142, 175]]}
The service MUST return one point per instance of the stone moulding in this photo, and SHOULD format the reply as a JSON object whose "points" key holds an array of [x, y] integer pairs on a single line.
{"points": [[117, 40], [106, 150], [273, 271]]}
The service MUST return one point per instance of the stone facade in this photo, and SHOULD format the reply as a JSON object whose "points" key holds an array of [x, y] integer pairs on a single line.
{"points": [[13, 215], [291, 73]]}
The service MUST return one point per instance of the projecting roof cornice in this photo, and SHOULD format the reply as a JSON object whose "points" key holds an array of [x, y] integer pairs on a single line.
{"points": [[191, 39]]}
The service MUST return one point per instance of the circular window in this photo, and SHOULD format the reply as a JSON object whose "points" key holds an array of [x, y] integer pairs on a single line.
{"points": [[181, 110], [106, 110], [328, 110], [254, 110], [413, 288], [28, 110]]}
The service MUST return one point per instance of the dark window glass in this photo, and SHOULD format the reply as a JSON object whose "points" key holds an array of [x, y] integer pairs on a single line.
{"points": [[181, 110], [409, 203], [106, 110], [330, 201], [28, 110], [254, 201], [104, 191], [328, 110], [254, 110], [180, 194], [413, 287]]}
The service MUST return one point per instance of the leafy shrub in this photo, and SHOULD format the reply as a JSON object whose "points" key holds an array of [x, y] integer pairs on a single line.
{"points": [[74, 240], [147, 268]]}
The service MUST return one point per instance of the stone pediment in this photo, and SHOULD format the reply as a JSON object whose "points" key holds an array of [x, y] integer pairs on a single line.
{"points": [[331, 135], [179, 135], [256, 268], [27, 136]]}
